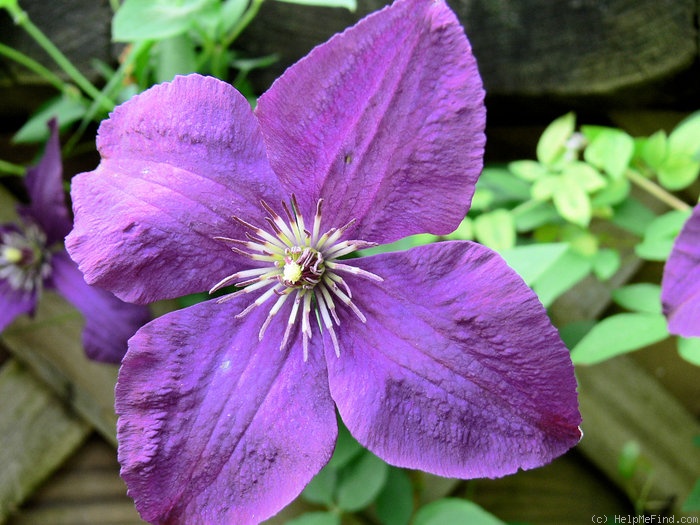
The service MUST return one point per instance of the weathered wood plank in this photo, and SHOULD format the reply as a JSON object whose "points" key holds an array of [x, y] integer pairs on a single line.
{"points": [[86, 490], [525, 47], [50, 344], [621, 403], [38, 434]]}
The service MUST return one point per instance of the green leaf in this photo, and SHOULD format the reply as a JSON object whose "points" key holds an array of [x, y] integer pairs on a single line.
{"points": [[321, 489], [154, 19], [401, 245], [609, 149], [633, 216], [568, 270], [464, 232], [528, 170], [495, 229], [65, 109], [615, 192], [654, 150], [584, 175], [454, 511], [551, 147], [692, 502], [394, 504], [174, 56], [505, 187], [350, 5], [689, 349], [573, 203], [685, 138], [640, 297], [346, 448], [534, 214], [606, 263], [534, 260], [316, 518], [678, 172], [660, 235], [619, 334], [360, 482], [544, 188]]}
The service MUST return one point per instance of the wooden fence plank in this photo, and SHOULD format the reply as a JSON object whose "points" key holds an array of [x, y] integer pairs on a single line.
{"points": [[38, 434]]}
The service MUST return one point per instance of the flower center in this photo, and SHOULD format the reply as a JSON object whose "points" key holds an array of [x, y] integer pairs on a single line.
{"points": [[299, 263], [24, 260]]}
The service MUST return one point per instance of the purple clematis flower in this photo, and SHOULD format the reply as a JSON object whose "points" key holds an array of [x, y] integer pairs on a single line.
{"points": [[680, 287], [32, 258], [439, 358]]}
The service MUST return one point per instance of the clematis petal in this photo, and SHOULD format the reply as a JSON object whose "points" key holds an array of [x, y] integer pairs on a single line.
{"points": [[458, 370], [47, 207], [14, 303], [680, 286], [215, 427], [384, 121], [178, 161], [109, 322]]}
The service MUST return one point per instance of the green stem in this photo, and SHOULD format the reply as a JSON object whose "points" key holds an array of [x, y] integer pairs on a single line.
{"points": [[22, 19], [118, 77], [243, 22], [11, 169], [657, 191], [34, 66]]}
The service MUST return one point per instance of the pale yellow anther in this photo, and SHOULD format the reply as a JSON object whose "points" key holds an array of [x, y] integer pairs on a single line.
{"points": [[11, 254], [291, 272]]}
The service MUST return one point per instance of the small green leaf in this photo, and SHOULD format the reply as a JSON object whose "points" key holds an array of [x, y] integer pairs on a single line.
{"points": [[154, 19], [689, 349], [528, 170], [584, 175], [628, 461], [660, 235], [685, 138], [394, 504], [361, 481], [609, 149], [346, 448], [504, 186], [401, 245], [568, 270], [495, 229], [65, 109], [464, 232], [350, 5], [678, 172], [654, 150], [692, 502], [453, 511], [606, 263], [533, 215], [544, 188], [534, 260], [615, 192], [316, 518], [573, 203], [619, 334], [551, 147], [321, 489], [633, 216], [640, 297], [482, 199]]}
